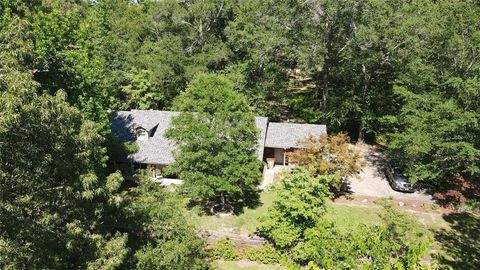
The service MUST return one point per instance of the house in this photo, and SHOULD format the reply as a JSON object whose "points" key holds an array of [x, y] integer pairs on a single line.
{"points": [[148, 127]]}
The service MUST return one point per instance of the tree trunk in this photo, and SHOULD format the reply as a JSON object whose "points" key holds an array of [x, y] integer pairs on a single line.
{"points": [[325, 92], [361, 132]]}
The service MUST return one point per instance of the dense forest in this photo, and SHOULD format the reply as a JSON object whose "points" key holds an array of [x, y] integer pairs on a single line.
{"points": [[404, 74]]}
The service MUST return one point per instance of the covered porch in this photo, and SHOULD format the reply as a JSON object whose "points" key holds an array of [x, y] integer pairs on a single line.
{"points": [[283, 138], [279, 156]]}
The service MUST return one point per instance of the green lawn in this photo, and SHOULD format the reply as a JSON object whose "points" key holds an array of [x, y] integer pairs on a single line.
{"points": [[456, 235], [244, 223], [344, 216], [348, 217]]}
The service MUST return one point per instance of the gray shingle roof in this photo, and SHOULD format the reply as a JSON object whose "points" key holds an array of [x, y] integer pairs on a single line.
{"points": [[158, 149], [261, 123], [286, 135]]}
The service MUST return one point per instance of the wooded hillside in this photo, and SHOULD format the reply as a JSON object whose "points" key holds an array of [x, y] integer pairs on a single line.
{"points": [[405, 74]]}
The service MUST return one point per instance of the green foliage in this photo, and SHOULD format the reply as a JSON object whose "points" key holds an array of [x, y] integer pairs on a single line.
{"points": [[216, 141], [404, 71], [398, 243], [53, 193], [15, 55], [224, 249], [139, 91], [265, 254], [117, 149], [296, 227], [437, 139], [69, 40], [59, 210], [164, 239], [439, 99], [300, 203], [328, 155]]}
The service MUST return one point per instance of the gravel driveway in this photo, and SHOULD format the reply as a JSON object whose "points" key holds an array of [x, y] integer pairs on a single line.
{"points": [[372, 181]]}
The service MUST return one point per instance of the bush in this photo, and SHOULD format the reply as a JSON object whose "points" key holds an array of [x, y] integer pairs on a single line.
{"points": [[398, 243], [299, 205], [265, 254], [225, 249], [328, 155]]}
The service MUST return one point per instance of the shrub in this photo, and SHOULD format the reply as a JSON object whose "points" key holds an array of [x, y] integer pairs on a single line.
{"points": [[327, 155], [225, 249], [265, 254], [398, 243], [300, 203]]}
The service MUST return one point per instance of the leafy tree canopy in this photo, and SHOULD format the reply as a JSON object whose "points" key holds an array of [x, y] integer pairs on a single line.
{"points": [[216, 139], [53, 190], [328, 155], [299, 205]]}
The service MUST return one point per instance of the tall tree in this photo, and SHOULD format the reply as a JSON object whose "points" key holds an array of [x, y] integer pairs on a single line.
{"points": [[163, 237], [437, 89], [259, 40], [68, 42], [52, 187], [15, 48], [216, 141]]}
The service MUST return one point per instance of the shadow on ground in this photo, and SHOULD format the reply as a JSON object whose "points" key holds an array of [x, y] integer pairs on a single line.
{"points": [[461, 242]]}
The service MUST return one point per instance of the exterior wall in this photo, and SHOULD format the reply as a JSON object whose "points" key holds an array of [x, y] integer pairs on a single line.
{"points": [[279, 155], [268, 153]]}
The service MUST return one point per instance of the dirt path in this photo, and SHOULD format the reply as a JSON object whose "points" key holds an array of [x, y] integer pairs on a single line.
{"points": [[372, 182]]}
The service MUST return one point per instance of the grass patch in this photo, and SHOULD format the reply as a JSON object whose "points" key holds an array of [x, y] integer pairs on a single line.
{"points": [[456, 235], [348, 217], [460, 242], [244, 223], [344, 216]]}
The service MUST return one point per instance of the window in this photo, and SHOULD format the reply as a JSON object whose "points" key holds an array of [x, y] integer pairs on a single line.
{"points": [[142, 134]]}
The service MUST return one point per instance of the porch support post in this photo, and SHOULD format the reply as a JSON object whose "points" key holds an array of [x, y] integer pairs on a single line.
{"points": [[284, 156]]}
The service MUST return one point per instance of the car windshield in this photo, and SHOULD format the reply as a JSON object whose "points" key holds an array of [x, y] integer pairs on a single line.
{"points": [[400, 179]]}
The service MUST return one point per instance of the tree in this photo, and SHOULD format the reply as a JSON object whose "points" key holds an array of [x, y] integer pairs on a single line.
{"points": [[328, 155], [259, 37], [434, 135], [15, 52], [164, 238], [53, 190], [59, 210], [437, 139], [298, 206], [294, 225], [216, 141], [69, 40]]}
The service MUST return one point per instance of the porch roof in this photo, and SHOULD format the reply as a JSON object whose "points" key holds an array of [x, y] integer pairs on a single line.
{"points": [[287, 135]]}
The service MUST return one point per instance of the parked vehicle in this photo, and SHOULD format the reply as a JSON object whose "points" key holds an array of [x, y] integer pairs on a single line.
{"points": [[397, 181]]}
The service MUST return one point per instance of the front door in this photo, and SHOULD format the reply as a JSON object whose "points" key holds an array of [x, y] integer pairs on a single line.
{"points": [[279, 155]]}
